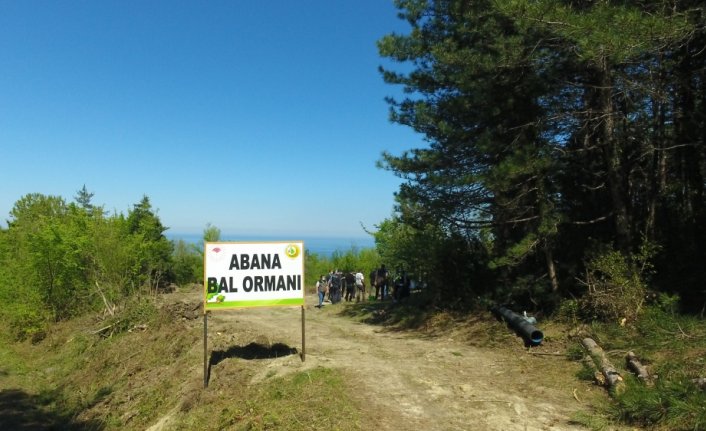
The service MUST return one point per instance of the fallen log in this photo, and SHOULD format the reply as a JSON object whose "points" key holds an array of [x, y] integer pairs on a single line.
{"points": [[633, 364], [613, 379]]}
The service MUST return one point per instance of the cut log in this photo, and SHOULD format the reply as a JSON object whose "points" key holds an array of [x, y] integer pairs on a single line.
{"points": [[613, 380], [633, 364]]}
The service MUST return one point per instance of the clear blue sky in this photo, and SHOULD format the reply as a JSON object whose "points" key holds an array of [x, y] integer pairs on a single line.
{"points": [[257, 117]]}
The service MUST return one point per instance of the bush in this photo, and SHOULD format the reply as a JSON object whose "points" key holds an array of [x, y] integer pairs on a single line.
{"points": [[569, 311], [27, 322], [137, 312], [617, 284]]}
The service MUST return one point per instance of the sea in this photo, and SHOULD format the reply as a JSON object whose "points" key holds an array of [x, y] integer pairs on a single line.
{"points": [[320, 245]]}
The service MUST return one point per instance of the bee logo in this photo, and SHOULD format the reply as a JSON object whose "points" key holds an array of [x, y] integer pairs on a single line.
{"points": [[216, 254], [292, 251]]}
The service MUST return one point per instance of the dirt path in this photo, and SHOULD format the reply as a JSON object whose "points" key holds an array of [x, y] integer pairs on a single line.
{"points": [[408, 382]]}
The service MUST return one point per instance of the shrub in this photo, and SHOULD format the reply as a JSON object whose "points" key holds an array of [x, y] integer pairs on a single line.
{"points": [[617, 284], [28, 322]]}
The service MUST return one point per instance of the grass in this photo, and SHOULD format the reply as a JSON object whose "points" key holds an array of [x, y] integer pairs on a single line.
{"points": [[147, 368], [308, 400], [673, 347]]}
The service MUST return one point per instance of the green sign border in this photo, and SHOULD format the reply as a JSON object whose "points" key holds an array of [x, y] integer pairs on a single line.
{"points": [[256, 303]]}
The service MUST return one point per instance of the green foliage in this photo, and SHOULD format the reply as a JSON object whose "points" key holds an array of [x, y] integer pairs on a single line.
{"points": [[672, 346], [113, 264], [353, 259], [586, 372], [314, 267], [187, 263], [616, 284], [211, 233], [675, 403], [593, 422], [27, 319], [569, 311], [58, 260], [605, 29], [552, 125], [136, 311], [452, 267], [83, 199], [154, 249], [187, 259], [45, 253]]}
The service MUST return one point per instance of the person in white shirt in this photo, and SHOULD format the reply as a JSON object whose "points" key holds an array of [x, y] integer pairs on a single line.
{"points": [[359, 287]]}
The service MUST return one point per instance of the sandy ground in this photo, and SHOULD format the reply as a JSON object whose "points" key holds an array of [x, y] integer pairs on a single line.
{"points": [[408, 381]]}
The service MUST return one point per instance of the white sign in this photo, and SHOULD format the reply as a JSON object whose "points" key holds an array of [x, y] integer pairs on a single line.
{"points": [[261, 274]]}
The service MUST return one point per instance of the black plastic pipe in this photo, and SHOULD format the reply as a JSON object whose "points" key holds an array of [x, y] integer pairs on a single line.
{"points": [[519, 324]]}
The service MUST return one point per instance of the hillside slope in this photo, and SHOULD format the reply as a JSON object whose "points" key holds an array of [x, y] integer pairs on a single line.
{"points": [[355, 375]]}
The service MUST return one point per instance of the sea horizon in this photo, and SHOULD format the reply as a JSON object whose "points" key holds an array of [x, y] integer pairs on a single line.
{"points": [[321, 245]]}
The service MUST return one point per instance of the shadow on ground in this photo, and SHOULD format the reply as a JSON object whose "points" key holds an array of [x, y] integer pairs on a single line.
{"points": [[250, 352], [253, 351], [20, 411], [388, 314]]}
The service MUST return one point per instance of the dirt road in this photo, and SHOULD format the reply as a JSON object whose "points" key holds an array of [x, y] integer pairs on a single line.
{"points": [[408, 381]]}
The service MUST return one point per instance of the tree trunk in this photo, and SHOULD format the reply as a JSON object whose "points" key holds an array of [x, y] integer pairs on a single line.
{"points": [[612, 155], [551, 269], [658, 175]]}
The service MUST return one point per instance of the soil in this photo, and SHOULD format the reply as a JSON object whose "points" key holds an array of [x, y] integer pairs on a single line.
{"points": [[406, 379]]}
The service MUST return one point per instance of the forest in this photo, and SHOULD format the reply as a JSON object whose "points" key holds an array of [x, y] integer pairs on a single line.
{"points": [[565, 157]]}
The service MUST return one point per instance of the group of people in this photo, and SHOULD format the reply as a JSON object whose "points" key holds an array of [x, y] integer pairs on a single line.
{"points": [[401, 285], [339, 285]]}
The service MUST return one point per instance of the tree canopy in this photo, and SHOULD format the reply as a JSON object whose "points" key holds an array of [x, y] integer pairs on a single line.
{"points": [[555, 129], [60, 259]]}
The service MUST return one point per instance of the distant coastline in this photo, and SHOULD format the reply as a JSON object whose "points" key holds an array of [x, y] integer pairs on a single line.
{"points": [[322, 246]]}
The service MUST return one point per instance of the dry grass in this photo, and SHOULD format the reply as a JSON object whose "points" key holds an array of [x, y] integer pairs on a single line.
{"points": [[152, 374]]}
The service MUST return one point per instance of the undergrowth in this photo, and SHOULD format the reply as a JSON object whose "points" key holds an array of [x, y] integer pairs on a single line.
{"points": [[673, 347], [143, 365]]}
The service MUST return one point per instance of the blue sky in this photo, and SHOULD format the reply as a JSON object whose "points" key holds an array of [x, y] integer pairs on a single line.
{"points": [[257, 117]]}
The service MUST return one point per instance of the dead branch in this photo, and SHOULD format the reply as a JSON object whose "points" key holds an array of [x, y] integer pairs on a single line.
{"points": [[547, 354], [110, 308], [105, 328]]}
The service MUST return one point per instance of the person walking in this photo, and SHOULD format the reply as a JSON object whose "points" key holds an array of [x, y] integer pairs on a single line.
{"points": [[321, 289], [382, 282], [359, 286]]}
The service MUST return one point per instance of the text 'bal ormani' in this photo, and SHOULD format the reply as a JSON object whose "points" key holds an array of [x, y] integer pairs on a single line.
{"points": [[258, 283]]}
